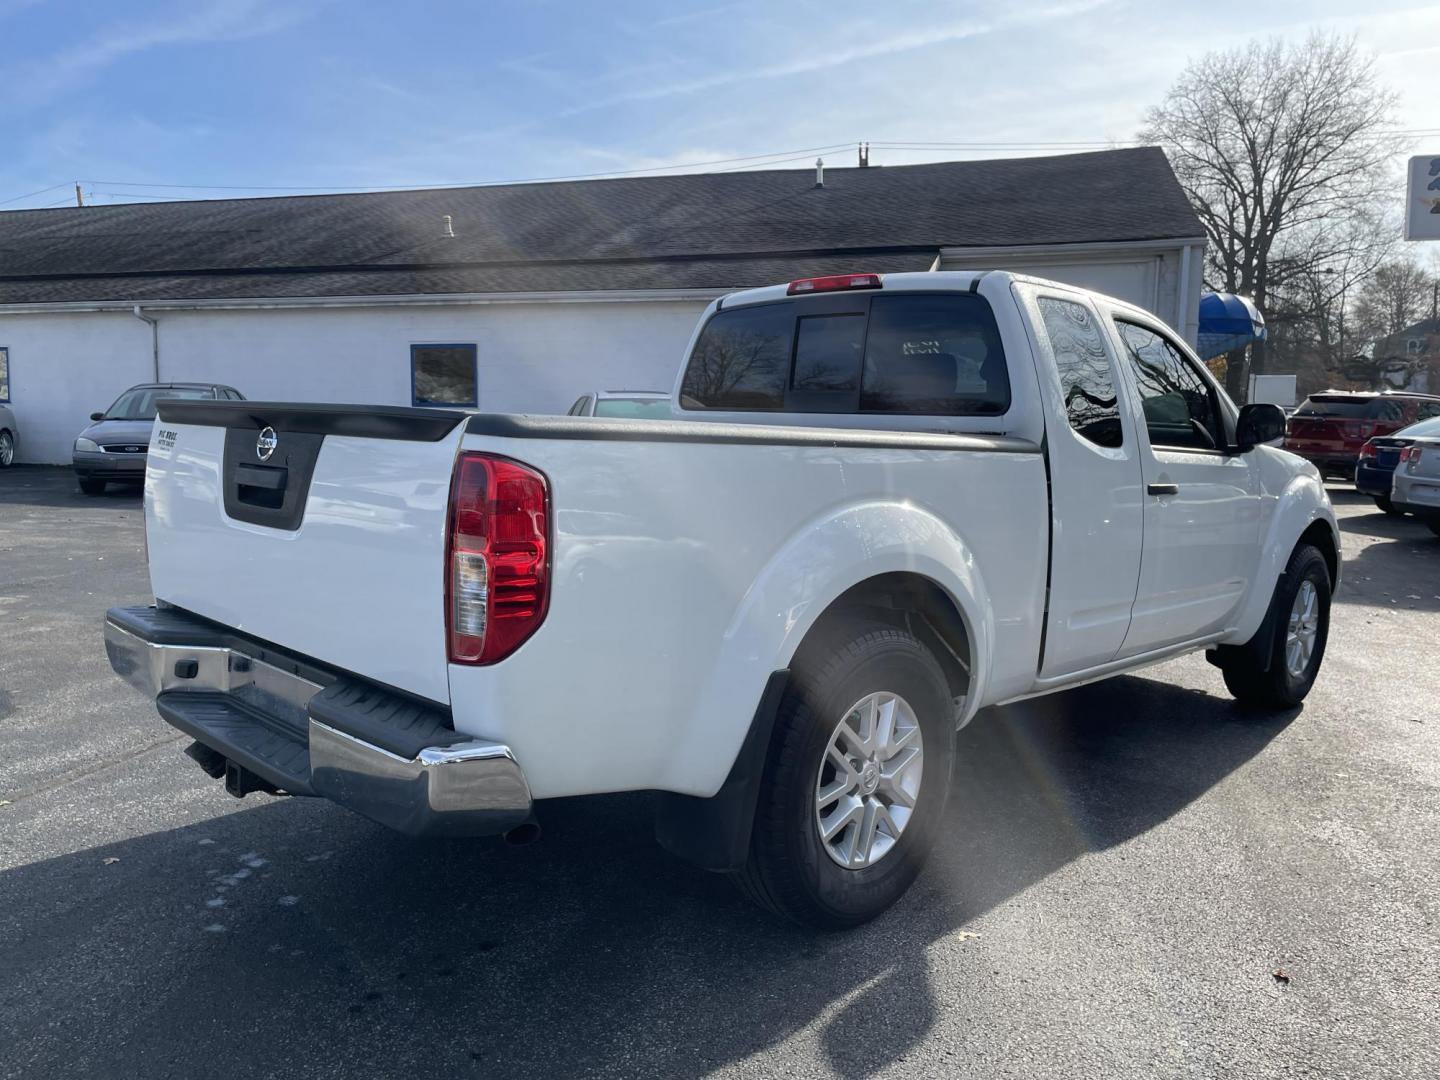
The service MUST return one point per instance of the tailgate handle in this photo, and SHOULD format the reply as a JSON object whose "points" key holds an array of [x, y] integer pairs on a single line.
{"points": [[261, 485]]}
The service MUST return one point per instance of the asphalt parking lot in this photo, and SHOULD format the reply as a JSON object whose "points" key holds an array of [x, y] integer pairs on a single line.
{"points": [[1128, 867]]}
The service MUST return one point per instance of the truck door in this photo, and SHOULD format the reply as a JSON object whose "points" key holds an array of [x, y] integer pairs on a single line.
{"points": [[1201, 500], [1095, 476]]}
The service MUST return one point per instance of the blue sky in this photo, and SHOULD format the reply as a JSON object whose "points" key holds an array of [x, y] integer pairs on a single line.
{"points": [[316, 93]]}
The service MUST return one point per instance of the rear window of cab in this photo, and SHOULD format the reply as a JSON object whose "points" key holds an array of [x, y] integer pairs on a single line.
{"points": [[934, 354]]}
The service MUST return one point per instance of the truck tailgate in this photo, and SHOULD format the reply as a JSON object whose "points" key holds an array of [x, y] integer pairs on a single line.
{"points": [[332, 544]]}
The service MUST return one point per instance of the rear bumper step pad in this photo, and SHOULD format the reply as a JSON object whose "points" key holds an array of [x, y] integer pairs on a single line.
{"points": [[308, 730]]}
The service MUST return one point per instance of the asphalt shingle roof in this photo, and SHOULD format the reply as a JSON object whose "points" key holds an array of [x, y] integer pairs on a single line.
{"points": [[708, 230]]}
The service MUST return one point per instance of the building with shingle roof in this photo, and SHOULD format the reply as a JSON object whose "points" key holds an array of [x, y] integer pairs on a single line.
{"points": [[543, 290]]}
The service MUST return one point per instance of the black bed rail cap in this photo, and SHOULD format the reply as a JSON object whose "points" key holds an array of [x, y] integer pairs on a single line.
{"points": [[360, 421], [619, 429]]}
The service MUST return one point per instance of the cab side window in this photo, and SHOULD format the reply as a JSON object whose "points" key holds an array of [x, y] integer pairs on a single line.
{"points": [[1087, 384], [1179, 409]]}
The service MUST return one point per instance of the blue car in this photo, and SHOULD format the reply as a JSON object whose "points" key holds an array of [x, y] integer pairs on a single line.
{"points": [[1380, 455]]}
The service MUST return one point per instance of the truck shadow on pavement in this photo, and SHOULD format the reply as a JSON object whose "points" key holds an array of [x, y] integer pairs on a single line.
{"points": [[290, 937]]}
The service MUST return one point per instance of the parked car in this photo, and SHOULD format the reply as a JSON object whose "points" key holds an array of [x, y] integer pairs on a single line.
{"points": [[9, 436], [775, 611], [113, 447], [1415, 485], [1379, 456], [1330, 428], [634, 404]]}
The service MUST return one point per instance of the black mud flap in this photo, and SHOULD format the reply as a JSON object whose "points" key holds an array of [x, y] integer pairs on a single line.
{"points": [[714, 833]]}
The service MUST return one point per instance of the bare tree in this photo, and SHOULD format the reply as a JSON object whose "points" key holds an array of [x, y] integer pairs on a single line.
{"points": [[1272, 142], [1396, 296], [1321, 271]]}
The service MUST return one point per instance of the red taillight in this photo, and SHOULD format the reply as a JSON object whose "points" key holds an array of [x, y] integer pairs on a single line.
{"points": [[1368, 451], [497, 571], [1409, 454], [834, 283]]}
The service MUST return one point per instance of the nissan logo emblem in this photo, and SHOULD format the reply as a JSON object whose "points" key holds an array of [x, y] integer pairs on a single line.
{"points": [[266, 443]]}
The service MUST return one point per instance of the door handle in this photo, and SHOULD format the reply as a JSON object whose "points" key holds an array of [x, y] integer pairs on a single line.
{"points": [[1162, 489]]}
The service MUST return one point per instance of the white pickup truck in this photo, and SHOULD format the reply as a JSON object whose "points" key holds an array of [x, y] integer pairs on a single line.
{"points": [[882, 504]]}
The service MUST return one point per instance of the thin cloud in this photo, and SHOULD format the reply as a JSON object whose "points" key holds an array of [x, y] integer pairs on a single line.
{"points": [[810, 63], [223, 20]]}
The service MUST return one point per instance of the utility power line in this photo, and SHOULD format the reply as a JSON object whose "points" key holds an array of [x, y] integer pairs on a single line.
{"points": [[733, 164], [32, 194]]}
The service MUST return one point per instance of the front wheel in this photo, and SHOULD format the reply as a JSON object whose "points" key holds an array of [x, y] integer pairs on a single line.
{"points": [[7, 449], [91, 486], [855, 781], [1433, 524], [1299, 626]]}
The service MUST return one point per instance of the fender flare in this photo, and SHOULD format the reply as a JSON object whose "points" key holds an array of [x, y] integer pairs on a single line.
{"points": [[829, 555], [798, 585], [1298, 507]]}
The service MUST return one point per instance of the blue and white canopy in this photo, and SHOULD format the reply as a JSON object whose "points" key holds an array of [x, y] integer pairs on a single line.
{"points": [[1227, 322]]}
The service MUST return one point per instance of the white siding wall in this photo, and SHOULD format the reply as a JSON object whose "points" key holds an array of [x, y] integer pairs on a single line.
{"points": [[532, 357]]}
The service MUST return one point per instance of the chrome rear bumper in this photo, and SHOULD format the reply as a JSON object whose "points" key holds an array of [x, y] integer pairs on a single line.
{"points": [[464, 787]]}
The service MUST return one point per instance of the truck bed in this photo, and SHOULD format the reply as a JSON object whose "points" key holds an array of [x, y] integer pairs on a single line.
{"points": [[681, 553]]}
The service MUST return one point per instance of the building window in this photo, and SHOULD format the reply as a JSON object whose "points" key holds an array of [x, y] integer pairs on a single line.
{"points": [[443, 375], [4, 374], [1414, 345]]}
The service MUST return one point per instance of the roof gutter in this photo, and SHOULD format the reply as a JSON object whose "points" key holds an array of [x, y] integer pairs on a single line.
{"points": [[154, 338], [262, 303]]}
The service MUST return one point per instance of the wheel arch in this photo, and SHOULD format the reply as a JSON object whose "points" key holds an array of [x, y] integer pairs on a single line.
{"points": [[909, 601], [873, 555], [892, 562], [1321, 536], [1301, 514]]}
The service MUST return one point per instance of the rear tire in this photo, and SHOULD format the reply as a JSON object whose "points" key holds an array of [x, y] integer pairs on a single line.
{"points": [[1384, 503], [7, 449], [1299, 627], [92, 487], [846, 686], [1433, 524]]}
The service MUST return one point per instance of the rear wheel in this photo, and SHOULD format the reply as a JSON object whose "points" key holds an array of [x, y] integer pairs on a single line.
{"points": [[1433, 524], [7, 449], [1384, 503], [1298, 627], [91, 486], [855, 781]]}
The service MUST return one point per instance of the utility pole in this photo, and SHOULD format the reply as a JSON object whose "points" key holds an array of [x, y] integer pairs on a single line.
{"points": [[79, 199]]}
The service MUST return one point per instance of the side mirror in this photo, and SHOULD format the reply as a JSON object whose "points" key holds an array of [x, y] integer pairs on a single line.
{"points": [[1259, 424], [97, 416]]}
